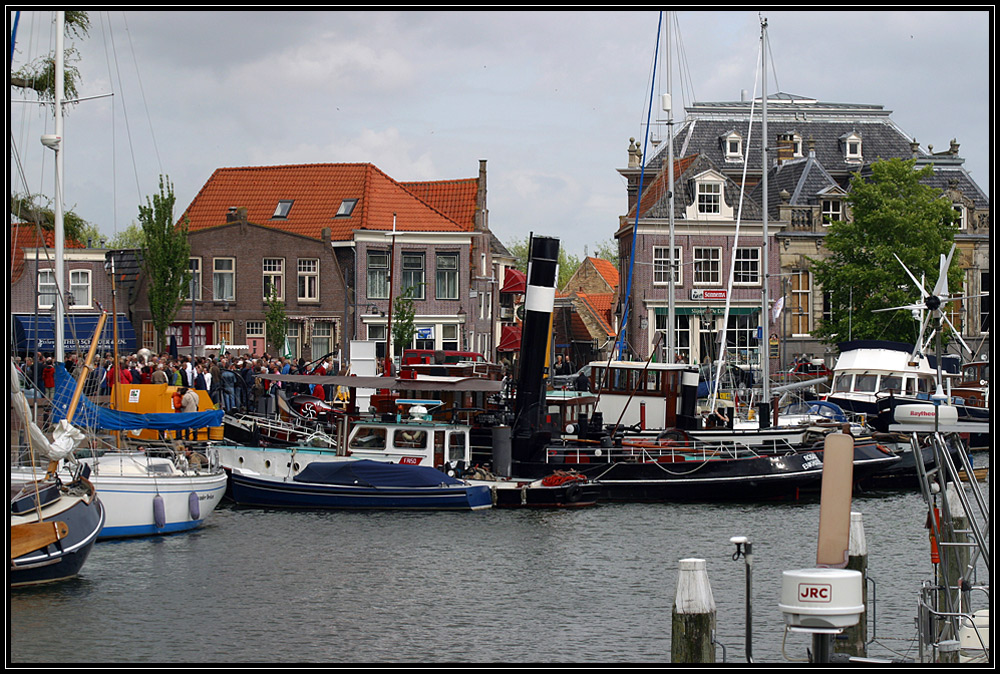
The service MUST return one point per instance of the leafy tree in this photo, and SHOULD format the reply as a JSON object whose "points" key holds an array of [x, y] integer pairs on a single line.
{"points": [[893, 213], [568, 264], [276, 321], [37, 209], [402, 320], [130, 237], [608, 250], [166, 256], [39, 76]]}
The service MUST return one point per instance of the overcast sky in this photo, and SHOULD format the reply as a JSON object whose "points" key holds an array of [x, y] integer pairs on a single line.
{"points": [[549, 99]]}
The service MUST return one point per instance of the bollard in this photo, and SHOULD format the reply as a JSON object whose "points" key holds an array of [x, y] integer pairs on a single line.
{"points": [[948, 652], [854, 640], [693, 625]]}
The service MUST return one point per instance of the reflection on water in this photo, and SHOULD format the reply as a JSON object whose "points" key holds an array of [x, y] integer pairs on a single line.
{"points": [[594, 585]]}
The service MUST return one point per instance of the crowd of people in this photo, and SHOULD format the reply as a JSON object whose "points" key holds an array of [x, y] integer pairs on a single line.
{"points": [[230, 380]]}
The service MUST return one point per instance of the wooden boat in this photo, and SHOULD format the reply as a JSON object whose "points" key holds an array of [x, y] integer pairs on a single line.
{"points": [[53, 528], [361, 485]]}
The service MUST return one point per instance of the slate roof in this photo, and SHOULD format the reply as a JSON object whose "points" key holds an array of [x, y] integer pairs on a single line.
{"points": [[804, 179], [317, 192], [655, 202]]}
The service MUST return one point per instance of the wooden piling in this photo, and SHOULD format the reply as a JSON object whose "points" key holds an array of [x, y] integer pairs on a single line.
{"points": [[694, 618], [957, 555], [854, 640]]}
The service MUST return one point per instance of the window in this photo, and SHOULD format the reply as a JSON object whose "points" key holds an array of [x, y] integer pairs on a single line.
{"points": [[709, 198], [79, 287], [832, 210], [308, 280], [959, 215], [224, 278], [746, 270], [682, 334], [413, 274], [148, 335], [449, 337], [801, 302], [446, 287], [378, 275], [423, 337], [255, 328], [734, 147], [322, 338], [741, 337], [706, 266], [47, 292], [194, 289], [852, 147], [661, 265], [226, 332], [274, 277], [292, 338], [281, 212], [346, 208]]}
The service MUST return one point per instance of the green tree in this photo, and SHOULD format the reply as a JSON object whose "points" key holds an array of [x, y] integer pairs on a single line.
{"points": [[166, 258], [893, 213], [568, 264], [276, 322], [608, 250], [403, 328], [39, 76], [130, 237], [36, 209]]}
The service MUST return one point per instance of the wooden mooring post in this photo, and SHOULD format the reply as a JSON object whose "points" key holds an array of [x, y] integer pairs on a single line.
{"points": [[692, 633], [854, 640]]}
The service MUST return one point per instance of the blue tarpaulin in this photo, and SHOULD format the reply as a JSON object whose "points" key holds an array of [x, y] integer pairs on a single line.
{"points": [[367, 473], [89, 415]]}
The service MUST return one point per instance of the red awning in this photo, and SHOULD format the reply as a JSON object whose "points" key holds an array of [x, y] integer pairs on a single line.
{"points": [[514, 281], [510, 338]]}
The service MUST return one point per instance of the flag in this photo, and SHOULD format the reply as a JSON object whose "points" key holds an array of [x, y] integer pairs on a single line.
{"points": [[776, 311], [222, 347], [287, 350]]}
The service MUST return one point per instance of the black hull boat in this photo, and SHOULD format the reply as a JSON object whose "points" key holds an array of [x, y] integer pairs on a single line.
{"points": [[53, 528], [559, 489]]}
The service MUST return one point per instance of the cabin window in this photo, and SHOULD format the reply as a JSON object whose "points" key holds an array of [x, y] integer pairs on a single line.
{"points": [[891, 383], [865, 383], [410, 438], [456, 446], [369, 438], [842, 383]]}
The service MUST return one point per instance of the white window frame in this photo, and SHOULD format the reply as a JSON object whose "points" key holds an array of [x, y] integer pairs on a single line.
{"points": [[446, 279], [746, 262], [661, 265], [709, 199], [713, 260], [377, 286], [831, 209], [217, 277], [853, 140], [413, 276], [273, 278], [86, 286], [731, 153], [322, 333], [962, 211], [49, 281], [194, 267], [309, 277]]}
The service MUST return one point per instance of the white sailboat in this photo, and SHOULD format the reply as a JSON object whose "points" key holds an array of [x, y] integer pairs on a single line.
{"points": [[142, 494]]}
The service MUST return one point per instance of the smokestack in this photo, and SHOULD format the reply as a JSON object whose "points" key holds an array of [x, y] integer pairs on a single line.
{"points": [[539, 300]]}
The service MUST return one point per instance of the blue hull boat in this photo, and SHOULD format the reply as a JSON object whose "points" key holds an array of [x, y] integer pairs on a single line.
{"points": [[360, 485]]}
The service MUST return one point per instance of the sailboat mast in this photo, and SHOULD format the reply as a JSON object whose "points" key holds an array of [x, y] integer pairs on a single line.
{"points": [[60, 229], [671, 299], [764, 317]]}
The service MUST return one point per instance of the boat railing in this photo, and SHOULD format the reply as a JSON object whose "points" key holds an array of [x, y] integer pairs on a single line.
{"points": [[638, 451]]}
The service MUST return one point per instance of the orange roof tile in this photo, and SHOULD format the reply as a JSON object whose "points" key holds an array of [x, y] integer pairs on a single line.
{"points": [[606, 269], [317, 192], [658, 188], [454, 198], [600, 306], [27, 235]]}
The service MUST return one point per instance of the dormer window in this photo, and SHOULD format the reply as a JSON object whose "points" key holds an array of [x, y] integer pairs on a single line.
{"points": [[707, 194], [346, 208], [281, 212], [852, 147], [796, 145], [734, 146], [709, 198]]}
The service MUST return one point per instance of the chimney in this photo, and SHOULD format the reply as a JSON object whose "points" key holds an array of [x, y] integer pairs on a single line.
{"points": [[786, 147], [634, 154]]}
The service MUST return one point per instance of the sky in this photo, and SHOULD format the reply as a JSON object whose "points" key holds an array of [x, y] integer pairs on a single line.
{"points": [[549, 98]]}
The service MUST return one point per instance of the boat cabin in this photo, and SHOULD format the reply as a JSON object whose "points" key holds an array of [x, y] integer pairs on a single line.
{"points": [[638, 393], [411, 437]]}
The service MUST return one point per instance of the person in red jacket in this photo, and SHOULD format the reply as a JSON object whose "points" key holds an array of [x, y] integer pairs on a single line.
{"points": [[49, 378]]}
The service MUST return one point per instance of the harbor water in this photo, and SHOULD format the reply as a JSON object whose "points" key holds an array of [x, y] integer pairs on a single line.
{"points": [[594, 585]]}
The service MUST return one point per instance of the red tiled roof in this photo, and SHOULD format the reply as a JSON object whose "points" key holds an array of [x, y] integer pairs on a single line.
{"points": [[27, 235], [454, 198], [657, 189], [606, 270], [600, 306], [317, 191]]}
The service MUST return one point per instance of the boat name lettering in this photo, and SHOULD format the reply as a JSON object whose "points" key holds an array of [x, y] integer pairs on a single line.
{"points": [[811, 461], [411, 460]]}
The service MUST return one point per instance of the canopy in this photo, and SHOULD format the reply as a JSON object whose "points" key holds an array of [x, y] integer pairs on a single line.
{"points": [[510, 338], [89, 415], [514, 281], [366, 473], [37, 333]]}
